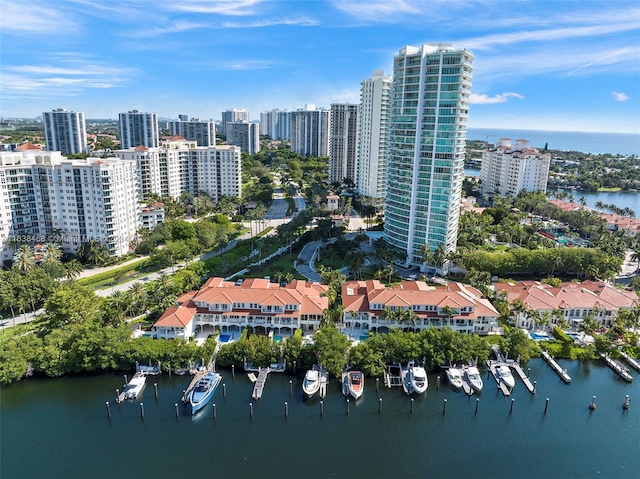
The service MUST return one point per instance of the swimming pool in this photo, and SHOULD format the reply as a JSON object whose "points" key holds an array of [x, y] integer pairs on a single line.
{"points": [[223, 338], [539, 337], [574, 336], [277, 339]]}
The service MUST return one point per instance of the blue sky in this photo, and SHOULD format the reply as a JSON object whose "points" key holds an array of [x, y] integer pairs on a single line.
{"points": [[546, 65]]}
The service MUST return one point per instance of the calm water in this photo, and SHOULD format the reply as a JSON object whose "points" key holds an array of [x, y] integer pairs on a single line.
{"points": [[59, 428]]}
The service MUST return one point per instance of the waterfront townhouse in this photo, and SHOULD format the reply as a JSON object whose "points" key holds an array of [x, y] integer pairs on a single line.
{"points": [[370, 305], [256, 303], [570, 301]]}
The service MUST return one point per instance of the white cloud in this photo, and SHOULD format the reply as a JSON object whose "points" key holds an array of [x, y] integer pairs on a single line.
{"points": [[20, 18], [222, 7], [244, 64], [482, 99], [302, 22], [173, 27], [619, 96]]}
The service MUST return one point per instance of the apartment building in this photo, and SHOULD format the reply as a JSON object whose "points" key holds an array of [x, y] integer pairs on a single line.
{"points": [[245, 135], [342, 150], [202, 132], [65, 131], [138, 128], [231, 116], [310, 130]]}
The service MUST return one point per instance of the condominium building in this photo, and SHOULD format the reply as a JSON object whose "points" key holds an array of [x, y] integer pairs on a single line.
{"points": [[510, 168], [342, 150], [202, 132], [255, 303], [65, 131], [276, 124], [373, 136], [372, 306], [245, 135], [570, 302], [428, 129], [310, 129], [232, 116], [138, 128], [46, 197], [179, 165]]}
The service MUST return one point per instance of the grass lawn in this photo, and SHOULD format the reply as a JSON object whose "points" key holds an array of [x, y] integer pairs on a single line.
{"points": [[284, 264], [603, 188]]}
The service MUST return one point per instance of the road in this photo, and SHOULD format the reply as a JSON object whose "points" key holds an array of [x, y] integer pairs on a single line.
{"points": [[305, 261]]}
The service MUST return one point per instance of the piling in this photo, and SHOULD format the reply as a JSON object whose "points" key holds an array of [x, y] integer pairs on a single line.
{"points": [[286, 409], [529, 373], [224, 390], [290, 388], [625, 404], [592, 406], [411, 405], [377, 383], [534, 386], [233, 370], [177, 411], [444, 408], [321, 408], [142, 410], [438, 382], [347, 406], [512, 401], [546, 405], [169, 370], [214, 411], [380, 406], [125, 379], [251, 410], [109, 409], [117, 394], [155, 389], [294, 367]]}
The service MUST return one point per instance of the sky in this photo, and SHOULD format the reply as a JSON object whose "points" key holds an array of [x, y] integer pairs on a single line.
{"points": [[542, 65]]}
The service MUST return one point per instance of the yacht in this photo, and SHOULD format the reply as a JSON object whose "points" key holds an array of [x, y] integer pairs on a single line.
{"points": [[353, 383], [203, 390], [454, 377], [417, 378], [505, 376], [134, 387], [311, 382], [473, 377]]}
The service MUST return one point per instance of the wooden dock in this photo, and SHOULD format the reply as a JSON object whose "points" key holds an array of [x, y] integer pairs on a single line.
{"points": [[393, 376], [617, 367], [404, 378], [527, 382], [324, 381], [198, 375], [556, 367], [260, 382], [502, 386], [632, 362]]}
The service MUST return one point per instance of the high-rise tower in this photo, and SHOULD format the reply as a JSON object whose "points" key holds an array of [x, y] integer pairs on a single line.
{"points": [[137, 128], [65, 131], [342, 152], [428, 130]]}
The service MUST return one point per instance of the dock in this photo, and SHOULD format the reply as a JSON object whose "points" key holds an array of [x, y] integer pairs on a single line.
{"points": [[632, 362], [393, 376], [324, 381], [527, 382], [404, 378], [466, 385], [260, 382], [198, 373], [617, 368], [502, 386], [556, 367], [141, 372]]}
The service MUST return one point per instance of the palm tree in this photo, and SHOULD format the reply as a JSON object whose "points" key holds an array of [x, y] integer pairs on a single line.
{"points": [[389, 272], [24, 259], [140, 296], [72, 269], [164, 284], [448, 312], [50, 255]]}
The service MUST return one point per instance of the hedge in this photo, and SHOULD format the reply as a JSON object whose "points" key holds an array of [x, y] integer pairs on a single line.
{"points": [[560, 335], [114, 272]]}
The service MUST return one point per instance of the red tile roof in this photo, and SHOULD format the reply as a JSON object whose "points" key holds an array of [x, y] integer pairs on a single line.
{"points": [[177, 316], [27, 146]]}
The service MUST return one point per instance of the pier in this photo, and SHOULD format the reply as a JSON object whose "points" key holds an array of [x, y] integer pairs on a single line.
{"points": [[556, 367], [141, 373], [632, 362], [198, 374], [393, 376], [260, 382], [492, 365], [527, 382], [617, 368], [324, 381]]}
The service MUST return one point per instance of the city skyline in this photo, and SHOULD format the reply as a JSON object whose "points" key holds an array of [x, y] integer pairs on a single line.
{"points": [[572, 66]]}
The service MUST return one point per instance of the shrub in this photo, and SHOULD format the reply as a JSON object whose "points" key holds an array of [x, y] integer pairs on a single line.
{"points": [[560, 335]]}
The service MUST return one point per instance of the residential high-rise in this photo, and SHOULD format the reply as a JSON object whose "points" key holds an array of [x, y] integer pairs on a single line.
{"points": [[276, 124], [428, 129], [232, 116], [51, 198], [179, 166], [373, 136], [310, 131], [245, 135], [342, 150], [65, 131], [138, 128], [202, 132], [508, 169], [264, 123]]}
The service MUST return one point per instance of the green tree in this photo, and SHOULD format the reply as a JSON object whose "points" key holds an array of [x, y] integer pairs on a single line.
{"points": [[71, 303], [331, 349]]}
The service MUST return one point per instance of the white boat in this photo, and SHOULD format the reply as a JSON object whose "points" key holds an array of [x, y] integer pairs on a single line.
{"points": [[505, 376], [417, 378], [473, 376], [311, 382], [134, 387], [454, 377], [203, 390], [353, 384]]}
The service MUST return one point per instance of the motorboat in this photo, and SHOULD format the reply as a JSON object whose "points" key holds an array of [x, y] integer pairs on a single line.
{"points": [[454, 377], [417, 378], [353, 384], [203, 391], [473, 377], [134, 387], [504, 375], [311, 382]]}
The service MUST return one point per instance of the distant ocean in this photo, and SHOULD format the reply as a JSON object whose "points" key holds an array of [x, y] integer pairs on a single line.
{"points": [[586, 142]]}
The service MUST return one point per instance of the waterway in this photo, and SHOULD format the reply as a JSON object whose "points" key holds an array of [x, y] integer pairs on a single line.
{"points": [[59, 428]]}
